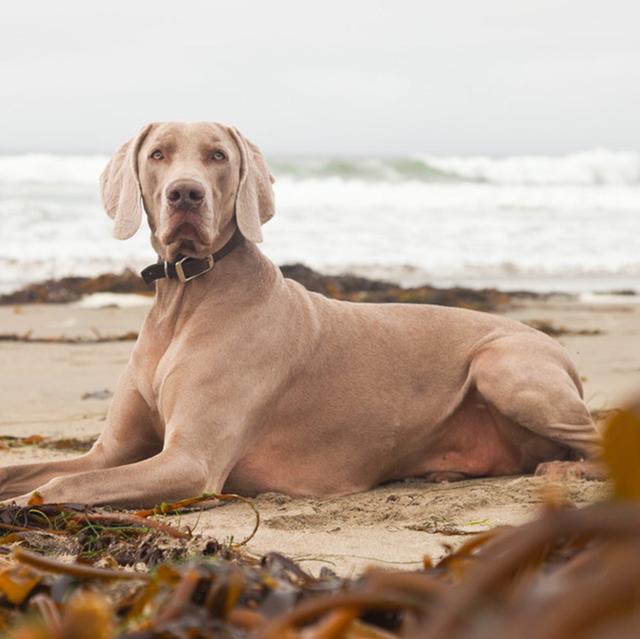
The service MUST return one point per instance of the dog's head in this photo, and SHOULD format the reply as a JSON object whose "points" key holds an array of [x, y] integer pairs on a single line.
{"points": [[195, 181]]}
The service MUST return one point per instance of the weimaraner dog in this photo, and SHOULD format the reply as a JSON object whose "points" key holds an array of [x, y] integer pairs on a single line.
{"points": [[244, 381]]}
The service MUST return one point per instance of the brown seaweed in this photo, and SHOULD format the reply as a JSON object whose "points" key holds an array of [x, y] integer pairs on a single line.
{"points": [[553, 330], [572, 572], [346, 287], [129, 336]]}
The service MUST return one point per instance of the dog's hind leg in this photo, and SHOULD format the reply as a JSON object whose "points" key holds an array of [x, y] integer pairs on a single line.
{"points": [[529, 379]]}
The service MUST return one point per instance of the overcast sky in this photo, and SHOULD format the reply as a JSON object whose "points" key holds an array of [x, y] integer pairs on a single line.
{"points": [[337, 76]]}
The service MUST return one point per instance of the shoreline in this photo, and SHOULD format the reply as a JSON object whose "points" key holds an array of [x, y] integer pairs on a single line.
{"points": [[341, 283], [345, 286]]}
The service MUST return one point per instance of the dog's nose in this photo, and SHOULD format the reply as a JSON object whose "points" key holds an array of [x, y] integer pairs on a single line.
{"points": [[185, 194]]}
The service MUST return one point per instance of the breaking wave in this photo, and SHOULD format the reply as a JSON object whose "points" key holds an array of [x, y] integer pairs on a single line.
{"points": [[594, 167]]}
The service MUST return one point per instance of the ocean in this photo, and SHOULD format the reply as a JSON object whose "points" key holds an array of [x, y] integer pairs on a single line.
{"points": [[563, 223]]}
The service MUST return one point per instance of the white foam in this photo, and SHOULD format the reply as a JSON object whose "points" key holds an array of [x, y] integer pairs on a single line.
{"points": [[121, 300], [609, 298], [598, 166], [47, 168]]}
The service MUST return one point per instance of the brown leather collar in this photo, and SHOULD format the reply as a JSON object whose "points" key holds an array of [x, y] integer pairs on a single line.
{"points": [[187, 268]]}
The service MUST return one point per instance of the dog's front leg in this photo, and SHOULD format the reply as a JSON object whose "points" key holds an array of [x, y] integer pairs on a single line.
{"points": [[197, 456], [128, 436], [168, 476], [203, 438]]}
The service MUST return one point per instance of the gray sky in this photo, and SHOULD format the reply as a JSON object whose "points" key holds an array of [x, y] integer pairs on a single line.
{"points": [[349, 76]]}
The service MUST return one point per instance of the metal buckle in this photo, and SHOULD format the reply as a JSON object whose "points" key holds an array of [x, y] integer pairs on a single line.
{"points": [[180, 270]]}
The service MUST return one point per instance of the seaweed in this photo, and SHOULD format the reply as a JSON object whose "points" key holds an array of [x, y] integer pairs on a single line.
{"points": [[345, 287], [75, 444], [557, 331], [129, 336], [572, 572]]}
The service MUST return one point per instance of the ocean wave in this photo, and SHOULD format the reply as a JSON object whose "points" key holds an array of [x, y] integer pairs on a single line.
{"points": [[361, 169], [516, 222], [595, 167], [48, 168]]}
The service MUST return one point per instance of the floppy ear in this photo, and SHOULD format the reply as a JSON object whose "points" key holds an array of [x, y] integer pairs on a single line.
{"points": [[255, 202], [120, 187]]}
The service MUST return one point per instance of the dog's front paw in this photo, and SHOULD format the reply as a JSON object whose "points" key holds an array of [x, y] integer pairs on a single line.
{"points": [[564, 470]]}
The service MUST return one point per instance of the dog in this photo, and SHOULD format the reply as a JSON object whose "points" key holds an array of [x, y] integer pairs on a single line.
{"points": [[242, 380]]}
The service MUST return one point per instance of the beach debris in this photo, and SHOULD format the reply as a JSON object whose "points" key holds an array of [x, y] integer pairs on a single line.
{"points": [[105, 393], [129, 336], [72, 289], [53, 443], [572, 572], [436, 525], [345, 287], [545, 326], [622, 452]]}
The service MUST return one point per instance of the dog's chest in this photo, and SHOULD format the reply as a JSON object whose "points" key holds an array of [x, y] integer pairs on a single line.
{"points": [[153, 361]]}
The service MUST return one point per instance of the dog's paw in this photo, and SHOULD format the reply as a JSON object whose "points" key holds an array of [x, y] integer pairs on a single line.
{"points": [[564, 470]]}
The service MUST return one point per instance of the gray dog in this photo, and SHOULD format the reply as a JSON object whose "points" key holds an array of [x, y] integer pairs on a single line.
{"points": [[242, 380]]}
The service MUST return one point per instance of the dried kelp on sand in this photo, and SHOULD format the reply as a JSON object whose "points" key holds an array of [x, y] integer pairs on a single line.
{"points": [[570, 573]]}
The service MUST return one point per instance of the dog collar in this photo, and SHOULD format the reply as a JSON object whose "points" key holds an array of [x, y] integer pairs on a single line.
{"points": [[188, 268]]}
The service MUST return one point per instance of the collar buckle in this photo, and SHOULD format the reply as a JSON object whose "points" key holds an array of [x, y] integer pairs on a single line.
{"points": [[186, 278]]}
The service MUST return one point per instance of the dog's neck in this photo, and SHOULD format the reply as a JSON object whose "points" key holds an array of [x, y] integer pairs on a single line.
{"points": [[242, 278], [185, 267]]}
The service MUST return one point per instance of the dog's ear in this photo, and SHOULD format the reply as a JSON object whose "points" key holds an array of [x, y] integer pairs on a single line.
{"points": [[120, 187], [255, 203]]}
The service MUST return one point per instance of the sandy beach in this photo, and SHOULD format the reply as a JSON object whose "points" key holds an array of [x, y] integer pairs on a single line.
{"points": [[61, 390]]}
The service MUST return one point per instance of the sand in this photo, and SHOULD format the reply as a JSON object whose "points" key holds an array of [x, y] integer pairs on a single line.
{"points": [[42, 386]]}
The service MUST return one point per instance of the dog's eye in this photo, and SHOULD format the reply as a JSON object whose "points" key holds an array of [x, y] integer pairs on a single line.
{"points": [[218, 156], [157, 155]]}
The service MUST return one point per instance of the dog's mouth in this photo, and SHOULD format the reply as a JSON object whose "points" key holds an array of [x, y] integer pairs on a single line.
{"points": [[188, 239], [184, 232], [188, 247], [186, 228]]}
